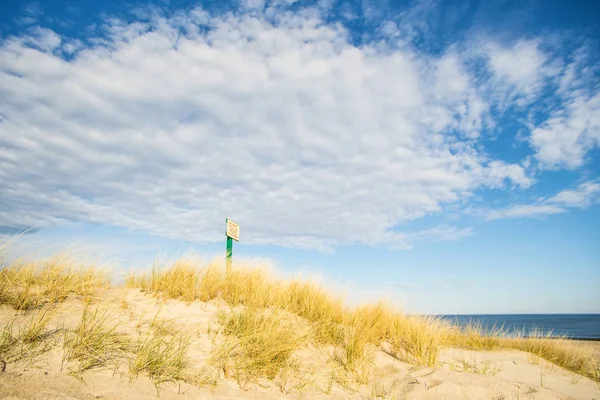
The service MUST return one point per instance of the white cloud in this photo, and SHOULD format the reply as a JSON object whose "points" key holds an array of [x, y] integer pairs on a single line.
{"points": [[518, 71], [526, 210], [279, 123], [557, 89], [519, 64], [31, 14], [569, 129], [583, 196], [500, 172], [566, 137]]}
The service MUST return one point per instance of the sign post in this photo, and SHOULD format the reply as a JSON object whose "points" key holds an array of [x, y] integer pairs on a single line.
{"points": [[232, 233]]}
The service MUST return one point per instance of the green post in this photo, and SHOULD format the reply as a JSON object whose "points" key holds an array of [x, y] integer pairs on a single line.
{"points": [[228, 258], [232, 233]]}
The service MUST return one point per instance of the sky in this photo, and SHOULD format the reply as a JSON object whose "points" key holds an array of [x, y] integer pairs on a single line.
{"points": [[442, 154]]}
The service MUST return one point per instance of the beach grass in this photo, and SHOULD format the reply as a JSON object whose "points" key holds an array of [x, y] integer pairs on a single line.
{"points": [[160, 352], [559, 350], [265, 322], [258, 343], [29, 338], [95, 341], [414, 339], [32, 284]]}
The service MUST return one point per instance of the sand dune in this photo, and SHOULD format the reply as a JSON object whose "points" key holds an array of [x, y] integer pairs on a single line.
{"points": [[461, 374]]}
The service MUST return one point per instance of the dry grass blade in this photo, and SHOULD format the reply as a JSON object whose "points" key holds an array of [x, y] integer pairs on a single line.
{"points": [[251, 287], [558, 350], [161, 353], [363, 329], [35, 330], [95, 342], [26, 285], [476, 336], [257, 344], [417, 340], [473, 366], [17, 286], [29, 339], [7, 340], [310, 301]]}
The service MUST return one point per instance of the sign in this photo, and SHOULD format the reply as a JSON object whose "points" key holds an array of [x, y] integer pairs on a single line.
{"points": [[232, 233], [233, 230]]}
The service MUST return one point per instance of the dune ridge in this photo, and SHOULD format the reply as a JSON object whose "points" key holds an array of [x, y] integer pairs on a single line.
{"points": [[188, 328]]}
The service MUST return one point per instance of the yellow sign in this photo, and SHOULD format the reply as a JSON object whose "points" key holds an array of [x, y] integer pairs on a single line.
{"points": [[233, 230]]}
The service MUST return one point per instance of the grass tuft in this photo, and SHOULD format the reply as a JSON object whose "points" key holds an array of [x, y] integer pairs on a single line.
{"points": [[29, 339], [476, 337], [95, 342], [418, 339], [558, 350], [472, 366], [35, 330], [161, 353], [25, 285], [257, 344]]}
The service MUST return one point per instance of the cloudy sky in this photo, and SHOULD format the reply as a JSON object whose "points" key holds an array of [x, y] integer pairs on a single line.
{"points": [[445, 154]]}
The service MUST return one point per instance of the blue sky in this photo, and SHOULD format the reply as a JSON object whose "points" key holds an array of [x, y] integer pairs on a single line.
{"points": [[442, 154]]}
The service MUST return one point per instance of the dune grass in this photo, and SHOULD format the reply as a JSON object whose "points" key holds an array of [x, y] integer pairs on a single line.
{"points": [[559, 350], [418, 340], [266, 323], [474, 367], [474, 336], [352, 331], [180, 281], [363, 330], [34, 331], [95, 341], [29, 338], [310, 301], [31, 284], [7, 339], [161, 352], [257, 343]]}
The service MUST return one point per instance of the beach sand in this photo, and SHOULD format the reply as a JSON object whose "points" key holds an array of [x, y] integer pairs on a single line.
{"points": [[463, 374]]}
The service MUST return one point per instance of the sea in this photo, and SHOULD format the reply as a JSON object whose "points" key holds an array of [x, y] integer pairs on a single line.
{"points": [[573, 326]]}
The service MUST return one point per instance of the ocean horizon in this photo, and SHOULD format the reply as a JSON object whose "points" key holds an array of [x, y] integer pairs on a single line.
{"points": [[573, 326]]}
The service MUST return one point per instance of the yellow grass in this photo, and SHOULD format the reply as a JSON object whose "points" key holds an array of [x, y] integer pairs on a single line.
{"points": [[95, 342], [34, 331], [558, 350], [417, 339], [31, 284], [268, 322], [257, 343], [29, 339], [413, 339], [308, 300], [161, 353], [474, 336], [363, 330]]}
